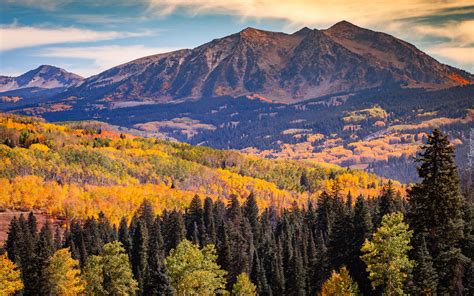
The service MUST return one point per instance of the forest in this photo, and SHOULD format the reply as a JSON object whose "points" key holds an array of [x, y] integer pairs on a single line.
{"points": [[78, 169], [321, 238]]}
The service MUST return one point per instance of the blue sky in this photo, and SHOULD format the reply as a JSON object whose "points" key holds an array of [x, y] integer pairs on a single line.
{"points": [[90, 36]]}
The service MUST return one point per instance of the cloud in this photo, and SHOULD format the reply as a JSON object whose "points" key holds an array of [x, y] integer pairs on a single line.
{"points": [[460, 33], [102, 57], [13, 36], [313, 12], [41, 4], [460, 55]]}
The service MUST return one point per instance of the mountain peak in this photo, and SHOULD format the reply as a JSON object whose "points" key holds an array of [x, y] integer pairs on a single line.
{"points": [[344, 26], [43, 77], [303, 31]]}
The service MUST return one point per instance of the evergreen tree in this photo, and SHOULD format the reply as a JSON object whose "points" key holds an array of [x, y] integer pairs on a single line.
{"points": [[259, 277], [424, 275], [436, 211], [296, 284], [146, 214], [341, 236], [209, 223], [251, 213], [387, 200], [58, 243], [362, 222], [44, 250], [140, 254], [194, 219], [27, 254], [124, 236], [14, 238], [174, 230], [157, 281]]}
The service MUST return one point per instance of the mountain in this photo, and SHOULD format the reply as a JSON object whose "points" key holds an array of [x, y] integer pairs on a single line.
{"points": [[345, 95], [281, 67], [43, 77]]}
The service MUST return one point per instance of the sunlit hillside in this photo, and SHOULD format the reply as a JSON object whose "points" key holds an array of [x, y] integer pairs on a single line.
{"points": [[81, 168]]}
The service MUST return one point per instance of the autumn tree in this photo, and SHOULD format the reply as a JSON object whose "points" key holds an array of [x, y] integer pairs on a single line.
{"points": [[386, 255], [63, 274], [195, 271], [243, 286], [110, 272], [10, 276], [340, 284]]}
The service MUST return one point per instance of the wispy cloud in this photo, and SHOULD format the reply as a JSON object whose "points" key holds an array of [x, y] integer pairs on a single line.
{"points": [[103, 57], [41, 4], [457, 41], [459, 55], [14, 36], [460, 33], [313, 12]]}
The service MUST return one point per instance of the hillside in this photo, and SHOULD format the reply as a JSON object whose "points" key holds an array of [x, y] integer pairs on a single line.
{"points": [[78, 169]]}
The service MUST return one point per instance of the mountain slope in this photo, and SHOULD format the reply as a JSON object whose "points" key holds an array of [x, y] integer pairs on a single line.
{"points": [[80, 168], [43, 77], [281, 67]]}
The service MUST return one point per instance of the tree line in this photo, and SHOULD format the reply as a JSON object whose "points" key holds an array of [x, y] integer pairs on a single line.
{"points": [[340, 245]]}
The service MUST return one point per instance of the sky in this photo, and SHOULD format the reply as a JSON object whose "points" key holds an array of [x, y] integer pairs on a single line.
{"points": [[87, 37]]}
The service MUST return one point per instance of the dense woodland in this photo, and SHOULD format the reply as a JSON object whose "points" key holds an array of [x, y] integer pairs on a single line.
{"points": [[339, 244], [76, 170]]}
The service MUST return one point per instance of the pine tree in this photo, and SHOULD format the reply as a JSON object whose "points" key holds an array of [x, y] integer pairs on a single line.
{"points": [[44, 250], [251, 213], [146, 214], [124, 236], [340, 238], [424, 276], [157, 281], [194, 219], [387, 200], [27, 253], [12, 244], [140, 254], [362, 222], [436, 211], [259, 277], [209, 223], [58, 242], [174, 230], [297, 281]]}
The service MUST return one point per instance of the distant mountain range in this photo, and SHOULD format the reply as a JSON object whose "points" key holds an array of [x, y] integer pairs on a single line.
{"points": [[281, 67], [326, 95]]}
